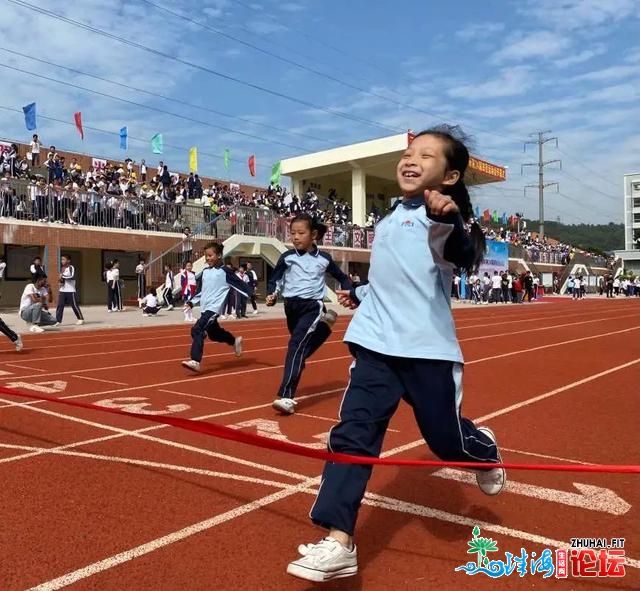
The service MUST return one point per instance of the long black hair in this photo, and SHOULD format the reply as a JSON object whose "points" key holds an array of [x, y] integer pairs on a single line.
{"points": [[457, 156], [314, 224]]}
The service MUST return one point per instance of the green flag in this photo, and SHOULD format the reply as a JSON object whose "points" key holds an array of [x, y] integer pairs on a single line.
{"points": [[276, 173], [227, 158], [157, 144]]}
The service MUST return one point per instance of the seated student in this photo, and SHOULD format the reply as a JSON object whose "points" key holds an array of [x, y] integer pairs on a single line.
{"points": [[149, 303], [34, 305]]}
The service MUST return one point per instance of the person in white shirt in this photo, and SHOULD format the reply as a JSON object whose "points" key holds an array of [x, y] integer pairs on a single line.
{"points": [[496, 287], [142, 281], [67, 291], [150, 303], [167, 295], [35, 150], [114, 287], [33, 305]]}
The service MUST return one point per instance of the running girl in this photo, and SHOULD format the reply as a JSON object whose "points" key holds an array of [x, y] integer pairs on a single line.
{"points": [[216, 281], [412, 353], [300, 277]]}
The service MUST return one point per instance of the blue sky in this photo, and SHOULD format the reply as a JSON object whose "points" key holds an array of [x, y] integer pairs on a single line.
{"points": [[353, 71]]}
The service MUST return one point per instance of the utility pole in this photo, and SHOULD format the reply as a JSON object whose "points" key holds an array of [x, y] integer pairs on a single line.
{"points": [[541, 185]]}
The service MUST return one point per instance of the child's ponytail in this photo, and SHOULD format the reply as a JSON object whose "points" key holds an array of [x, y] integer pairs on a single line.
{"points": [[457, 156], [460, 195]]}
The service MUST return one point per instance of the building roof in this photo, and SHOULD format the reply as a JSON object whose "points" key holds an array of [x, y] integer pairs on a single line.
{"points": [[378, 158]]}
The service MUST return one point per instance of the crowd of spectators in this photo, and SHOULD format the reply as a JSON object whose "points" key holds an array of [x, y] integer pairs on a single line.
{"points": [[135, 196]]}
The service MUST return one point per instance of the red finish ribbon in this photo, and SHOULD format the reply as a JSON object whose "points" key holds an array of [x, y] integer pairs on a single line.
{"points": [[223, 432]]}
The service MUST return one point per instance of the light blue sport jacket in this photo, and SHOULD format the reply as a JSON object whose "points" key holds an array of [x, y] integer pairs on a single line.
{"points": [[405, 309]]}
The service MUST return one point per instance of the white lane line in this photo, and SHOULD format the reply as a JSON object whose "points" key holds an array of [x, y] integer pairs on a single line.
{"points": [[198, 396], [26, 368], [330, 341], [138, 432], [371, 498], [99, 380], [546, 457], [279, 367]]}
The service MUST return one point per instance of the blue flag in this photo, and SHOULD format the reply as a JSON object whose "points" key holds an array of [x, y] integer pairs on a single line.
{"points": [[504, 219], [157, 144], [123, 138], [477, 212], [30, 116]]}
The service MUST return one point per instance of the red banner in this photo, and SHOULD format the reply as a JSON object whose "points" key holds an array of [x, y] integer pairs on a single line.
{"points": [[358, 235], [328, 236], [252, 165], [78, 119], [370, 236], [222, 432]]}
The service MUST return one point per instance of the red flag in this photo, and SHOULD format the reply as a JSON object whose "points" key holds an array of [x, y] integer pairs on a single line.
{"points": [[252, 165], [486, 215], [78, 118]]}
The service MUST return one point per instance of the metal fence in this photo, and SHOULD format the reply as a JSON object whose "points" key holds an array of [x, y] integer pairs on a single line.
{"points": [[22, 199]]}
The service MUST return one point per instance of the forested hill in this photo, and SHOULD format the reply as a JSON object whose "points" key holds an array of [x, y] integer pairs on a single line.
{"points": [[601, 237]]}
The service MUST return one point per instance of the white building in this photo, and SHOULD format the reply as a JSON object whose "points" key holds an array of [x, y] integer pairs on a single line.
{"points": [[631, 253], [365, 172]]}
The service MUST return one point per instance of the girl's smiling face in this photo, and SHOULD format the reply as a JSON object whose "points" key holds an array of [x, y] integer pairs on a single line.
{"points": [[424, 166]]}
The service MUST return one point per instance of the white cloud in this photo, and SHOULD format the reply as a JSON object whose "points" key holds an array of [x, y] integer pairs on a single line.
{"points": [[576, 14], [480, 31], [581, 57], [536, 44], [292, 7], [610, 73], [510, 82]]}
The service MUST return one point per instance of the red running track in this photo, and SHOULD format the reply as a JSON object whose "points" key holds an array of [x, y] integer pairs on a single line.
{"points": [[96, 501]]}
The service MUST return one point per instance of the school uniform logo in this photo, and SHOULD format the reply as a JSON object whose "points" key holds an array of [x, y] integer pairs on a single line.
{"points": [[407, 224]]}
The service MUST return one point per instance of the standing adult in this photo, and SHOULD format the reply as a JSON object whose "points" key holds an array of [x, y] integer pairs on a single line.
{"points": [[253, 281], [67, 291]]}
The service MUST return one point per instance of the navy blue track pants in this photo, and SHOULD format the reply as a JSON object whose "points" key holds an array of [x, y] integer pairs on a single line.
{"points": [[433, 388], [308, 333]]}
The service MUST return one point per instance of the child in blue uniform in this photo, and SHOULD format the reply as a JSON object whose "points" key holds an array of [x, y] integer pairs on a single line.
{"points": [[300, 277], [408, 352], [214, 282]]}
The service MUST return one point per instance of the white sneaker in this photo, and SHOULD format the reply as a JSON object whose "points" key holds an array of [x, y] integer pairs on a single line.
{"points": [[329, 318], [18, 345], [222, 317], [192, 365], [326, 560], [285, 405], [237, 347], [146, 315], [491, 482], [36, 328], [169, 308], [80, 322], [255, 312]]}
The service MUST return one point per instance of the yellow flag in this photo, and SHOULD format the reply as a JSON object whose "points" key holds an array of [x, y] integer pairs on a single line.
{"points": [[193, 159]]}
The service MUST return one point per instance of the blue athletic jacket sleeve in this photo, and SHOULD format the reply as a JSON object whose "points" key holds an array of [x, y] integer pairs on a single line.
{"points": [[278, 273], [458, 248], [243, 287], [337, 273]]}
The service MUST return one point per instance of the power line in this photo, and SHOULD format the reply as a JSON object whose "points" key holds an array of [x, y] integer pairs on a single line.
{"points": [[288, 60], [591, 187], [166, 98], [598, 175], [151, 108], [205, 69]]}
